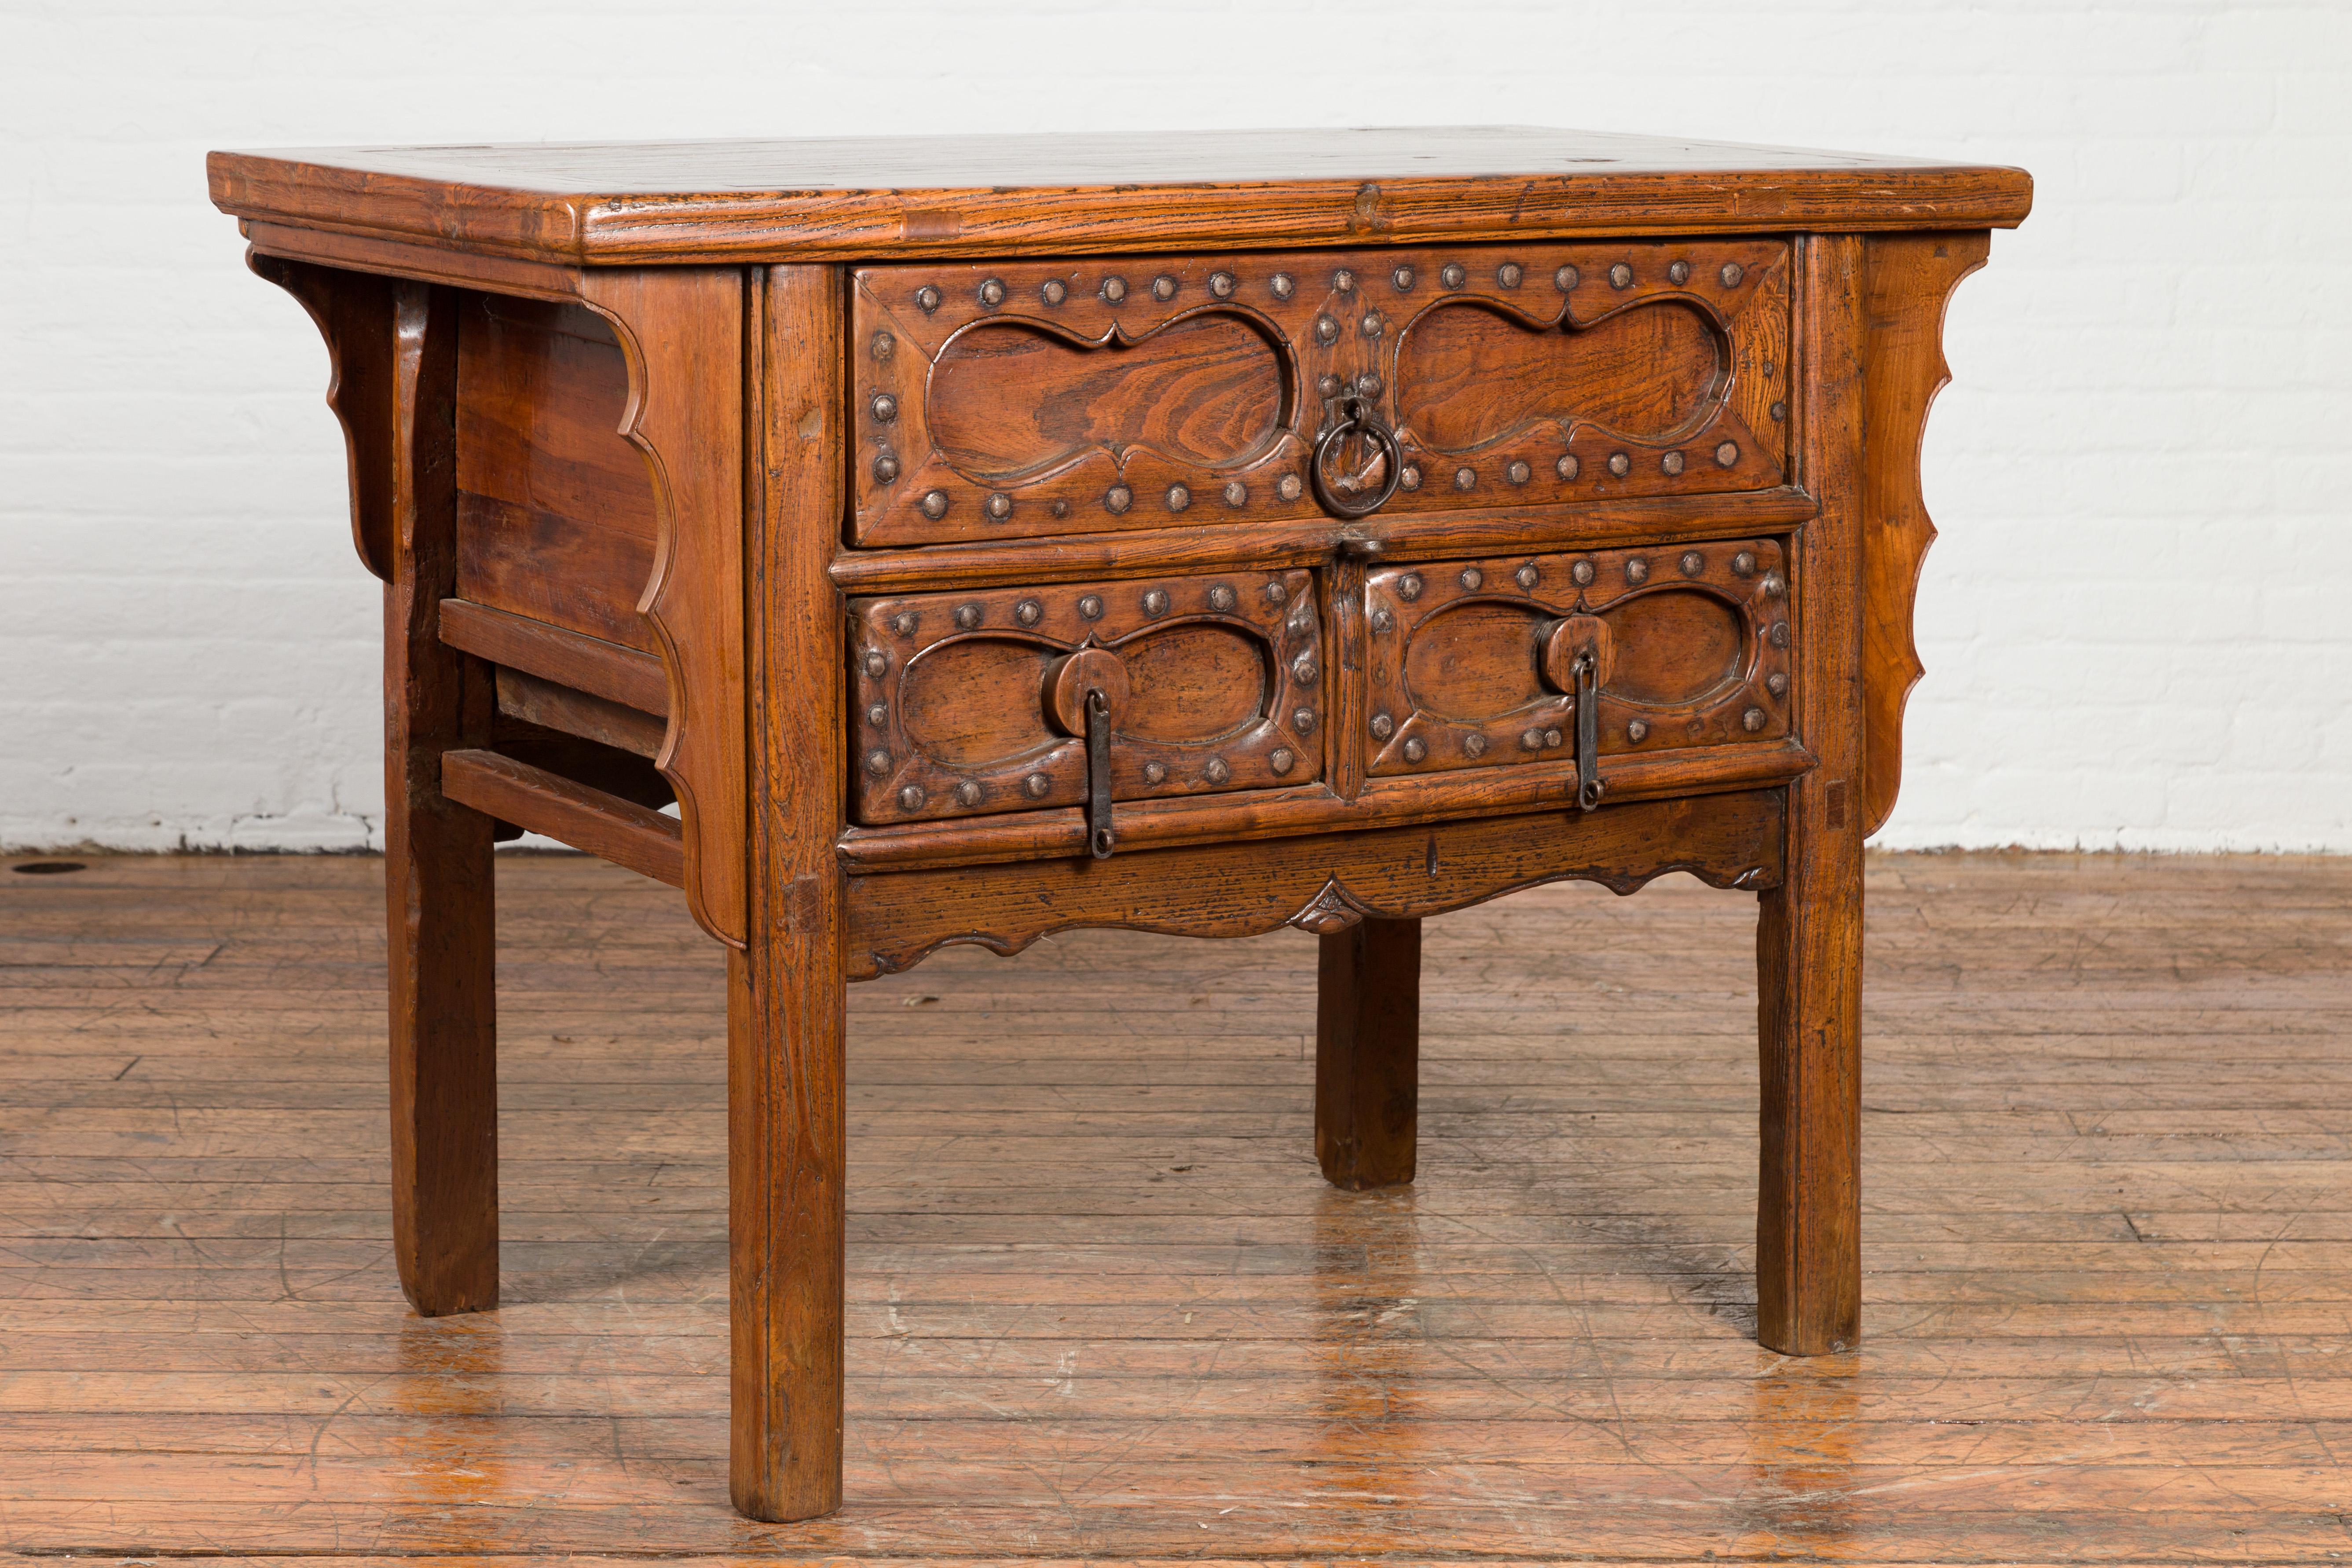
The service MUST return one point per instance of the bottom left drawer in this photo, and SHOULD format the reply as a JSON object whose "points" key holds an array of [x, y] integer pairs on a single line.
{"points": [[971, 703]]}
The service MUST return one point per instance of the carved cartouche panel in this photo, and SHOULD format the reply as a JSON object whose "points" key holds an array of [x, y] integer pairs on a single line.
{"points": [[1464, 668], [968, 704], [1017, 399]]}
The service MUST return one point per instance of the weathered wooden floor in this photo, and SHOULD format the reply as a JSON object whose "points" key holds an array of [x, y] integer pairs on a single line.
{"points": [[1102, 1306]]}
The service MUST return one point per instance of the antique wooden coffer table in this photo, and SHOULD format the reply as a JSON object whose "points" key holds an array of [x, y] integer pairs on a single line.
{"points": [[980, 538]]}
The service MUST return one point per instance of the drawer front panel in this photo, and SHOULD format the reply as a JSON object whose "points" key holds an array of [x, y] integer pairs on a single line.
{"points": [[1013, 399], [1468, 661], [963, 706]]}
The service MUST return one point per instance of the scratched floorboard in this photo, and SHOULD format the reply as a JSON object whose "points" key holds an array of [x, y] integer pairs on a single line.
{"points": [[1102, 1309]]}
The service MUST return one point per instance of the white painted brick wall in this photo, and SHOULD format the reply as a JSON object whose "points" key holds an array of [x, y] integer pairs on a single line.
{"points": [[2138, 624]]}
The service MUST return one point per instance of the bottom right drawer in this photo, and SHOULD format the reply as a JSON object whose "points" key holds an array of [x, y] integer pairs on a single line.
{"points": [[1477, 663]]}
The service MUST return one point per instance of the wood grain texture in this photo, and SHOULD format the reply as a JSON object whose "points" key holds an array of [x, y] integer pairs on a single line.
{"points": [[353, 312], [608, 671], [1809, 930], [786, 1089], [1099, 1294], [1911, 278], [576, 712], [1321, 884], [681, 330], [628, 835], [712, 201], [438, 894], [1368, 1052]]}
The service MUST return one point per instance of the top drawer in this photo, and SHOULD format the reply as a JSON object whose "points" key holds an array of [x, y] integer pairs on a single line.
{"points": [[1008, 399]]}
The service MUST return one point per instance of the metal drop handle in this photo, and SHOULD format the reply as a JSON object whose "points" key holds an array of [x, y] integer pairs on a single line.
{"points": [[1356, 417], [1100, 833], [1589, 787]]}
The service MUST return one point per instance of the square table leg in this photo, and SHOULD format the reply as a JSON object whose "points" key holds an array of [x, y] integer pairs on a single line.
{"points": [[1368, 1052]]}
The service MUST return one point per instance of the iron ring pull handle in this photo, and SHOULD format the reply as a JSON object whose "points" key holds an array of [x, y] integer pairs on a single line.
{"points": [[1356, 417]]}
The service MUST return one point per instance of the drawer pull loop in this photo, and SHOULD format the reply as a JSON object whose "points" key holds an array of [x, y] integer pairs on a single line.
{"points": [[1100, 836], [1589, 787], [1346, 497]]}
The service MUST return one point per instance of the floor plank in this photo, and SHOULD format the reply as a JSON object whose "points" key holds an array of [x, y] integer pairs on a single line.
{"points": [[1102, 1309]]}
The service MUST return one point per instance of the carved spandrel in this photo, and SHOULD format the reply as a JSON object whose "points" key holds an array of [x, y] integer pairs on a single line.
{"points": [[353, 312]]}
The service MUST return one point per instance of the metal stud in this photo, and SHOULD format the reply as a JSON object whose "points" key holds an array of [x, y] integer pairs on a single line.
{"points": [[1402, 279], [1216, 772], [1091, 608], [1163, 287], [1114, 290], [968, 792], [1581, 574], [991, 292], [878, 763], [1288, 487], [1327, 386], [911, 798], [1282, 284], [1671, 465], [1382, 726], [1466, 478], [1155, 602], [1221, 284], [1274, 592], [1061, 508], [1371, 325], [1028, 612], [1155, 772], [1221, 599], [1568, 465], [1368, 386], [1509, 274], [903, 623], [1552, 737], [1777, 683], [935, 504], [1452, 275], [882, 346], [1566, 278], [1053, 292], [1304, 671], [1743, 563], [1382, 621], [1327, 331], [1408, 586], [884, 407], [1000, 505], [1236, 493], [1621, 276], [1118, 498], [1780, 412], [1303, 721], [1343, 281], [1415, 748], [1517, 471], [1620, 464], [1678, 273], [877, 663], [1637, 730], [1409, 477], [1691, 563], [967, 615], [1532, 740], [1731, 274], [1752, 721], [1179, 497], [1036, 786], [1772, 585], [926, 298], [1280, 758], [1472, 579], [1473, 745], [1727, 454], [1637, 571], [1779, 636], [885, 467]]}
